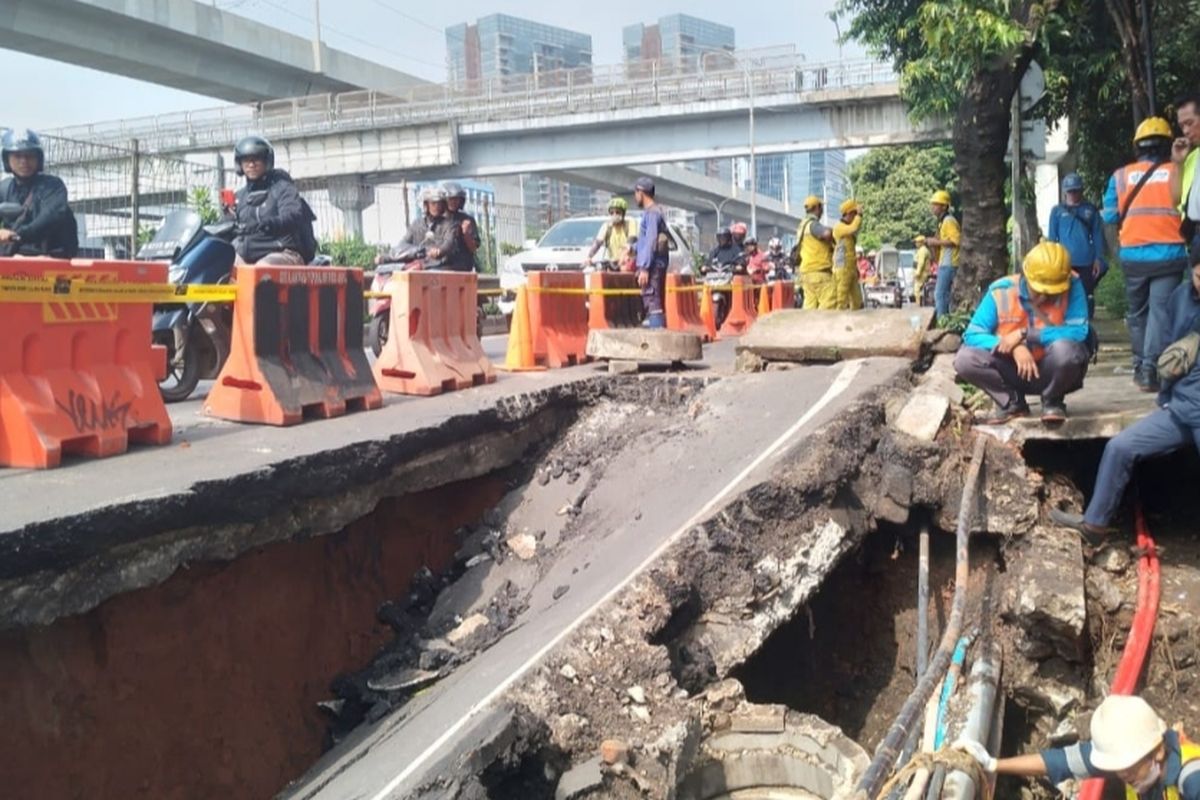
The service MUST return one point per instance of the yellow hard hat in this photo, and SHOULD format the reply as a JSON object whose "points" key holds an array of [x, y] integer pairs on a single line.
{"points": [[811, 202], [1047, 268], [850, 205], [919, 239], [1151, 127], [941, 197]]}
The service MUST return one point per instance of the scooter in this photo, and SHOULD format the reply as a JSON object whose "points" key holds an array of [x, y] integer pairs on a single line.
{"points": [[407, 259], [197, 335], [719, 277]]}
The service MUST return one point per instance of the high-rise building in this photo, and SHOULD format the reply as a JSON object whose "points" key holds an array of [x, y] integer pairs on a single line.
{"points": [[792, 177], [507, 51], [678, 39], [498, 46]]}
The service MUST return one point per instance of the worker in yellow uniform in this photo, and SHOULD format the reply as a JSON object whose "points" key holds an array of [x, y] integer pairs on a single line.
{"points": [[816, 257], [845, 258], [922, 261], [949, 236]]}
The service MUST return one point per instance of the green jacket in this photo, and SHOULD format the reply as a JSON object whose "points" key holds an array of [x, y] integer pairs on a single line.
{"points": [[1189, 172]]}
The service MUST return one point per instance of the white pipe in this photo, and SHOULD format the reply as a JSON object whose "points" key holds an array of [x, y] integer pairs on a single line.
{"points": [[983, 688]]}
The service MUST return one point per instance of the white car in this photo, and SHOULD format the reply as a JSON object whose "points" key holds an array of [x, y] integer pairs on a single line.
{"points": [[566, 245]]}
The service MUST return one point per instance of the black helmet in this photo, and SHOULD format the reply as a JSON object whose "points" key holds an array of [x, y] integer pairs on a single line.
{"points": [[253, 146], [454, 190], [724, 232], [24, 141]]}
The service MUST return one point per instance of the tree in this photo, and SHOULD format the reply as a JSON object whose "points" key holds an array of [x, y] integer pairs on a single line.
{"points": [[894, 185], [349, 252], [201, 201], [962, 58]]}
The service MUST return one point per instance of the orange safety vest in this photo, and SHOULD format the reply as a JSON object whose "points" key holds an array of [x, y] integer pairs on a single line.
{"points": [[1152, 218], [1012, 315]]}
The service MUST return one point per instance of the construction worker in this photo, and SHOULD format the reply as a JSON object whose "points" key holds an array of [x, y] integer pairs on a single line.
{"points": [[614, 233], [946, 247], [816, 258], [1140, 203], [845, 261], [1129, 742], [653, 243], [1173, 426], [921, 272], [1076, 224], [1029, 334]]}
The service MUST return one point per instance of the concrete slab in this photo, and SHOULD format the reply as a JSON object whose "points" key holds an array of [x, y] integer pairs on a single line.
{"points": [[824, 336], [922, 416], [641, 344]]}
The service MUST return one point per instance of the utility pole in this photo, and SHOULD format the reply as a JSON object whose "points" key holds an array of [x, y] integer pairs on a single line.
{"points": [[1017, 210], [317, 67], [135, 221], [753, 165]]}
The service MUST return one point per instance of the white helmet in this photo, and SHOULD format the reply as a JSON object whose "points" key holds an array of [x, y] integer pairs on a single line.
{"points": [[1125, 729], [775, 243]]}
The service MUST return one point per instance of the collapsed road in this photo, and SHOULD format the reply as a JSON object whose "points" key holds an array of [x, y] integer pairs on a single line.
{"points": [[565, 584]]}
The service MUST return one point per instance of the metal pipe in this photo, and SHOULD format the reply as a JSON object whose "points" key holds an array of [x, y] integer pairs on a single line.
{"points": [[885, 756], [983, 687], [948, 686], [935, 783], [923, 602]]}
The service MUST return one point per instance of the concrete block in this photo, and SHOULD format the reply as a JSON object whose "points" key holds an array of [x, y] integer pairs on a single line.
{"points": [[641, 344], [797, 335], [1047, 591], [923, 415]]}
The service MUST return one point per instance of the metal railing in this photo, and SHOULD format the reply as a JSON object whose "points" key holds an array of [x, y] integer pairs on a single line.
{"points": [[607, 89]]}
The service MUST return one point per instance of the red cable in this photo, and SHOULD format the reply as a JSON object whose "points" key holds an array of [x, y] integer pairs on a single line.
{"points": [[1137, 646]]}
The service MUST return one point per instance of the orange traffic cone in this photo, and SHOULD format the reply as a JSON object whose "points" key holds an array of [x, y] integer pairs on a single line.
{"points": [[764, 300], [708, 314], [519, 357]]}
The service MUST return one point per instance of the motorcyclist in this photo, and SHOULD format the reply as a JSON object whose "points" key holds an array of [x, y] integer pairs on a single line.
{"points": [[757, 265], [468, 230], [274, 222], [777, 258], [726, 253], [614, 234], [45, 226], [434, 230], [739, 231]]}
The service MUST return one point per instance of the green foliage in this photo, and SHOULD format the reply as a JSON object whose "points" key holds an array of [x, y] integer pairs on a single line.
{"points": [[200, 200], [1110, 293], [509, 249], [145, 234], [894, 185], [349, 252], [955, 321]]}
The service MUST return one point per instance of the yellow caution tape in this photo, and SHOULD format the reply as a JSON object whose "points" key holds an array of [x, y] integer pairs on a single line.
{"points": [[41, 290]]}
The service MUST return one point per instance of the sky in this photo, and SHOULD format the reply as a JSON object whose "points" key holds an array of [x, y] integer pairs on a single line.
{"points": [[405, 35]]}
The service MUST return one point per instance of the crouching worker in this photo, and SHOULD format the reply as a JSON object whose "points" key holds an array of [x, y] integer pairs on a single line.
{"points": [[1130, 742], [1029, 336]]}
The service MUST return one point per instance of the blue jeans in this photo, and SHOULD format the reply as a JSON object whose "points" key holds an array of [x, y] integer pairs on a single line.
{"points": [[1147, 315], [1155, 435], [941, 292]]}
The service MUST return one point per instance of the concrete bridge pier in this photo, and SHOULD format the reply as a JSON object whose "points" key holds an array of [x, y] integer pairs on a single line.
{"points": [[351, 195]]}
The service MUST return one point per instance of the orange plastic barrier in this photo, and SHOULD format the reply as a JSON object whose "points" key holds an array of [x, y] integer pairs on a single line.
{"points": [[558, 318], [783, 295], [683, 306], [742, 312], [78, 378], [708, 313], [764, 300], [297, 347], [613, 311], [433, 341]]}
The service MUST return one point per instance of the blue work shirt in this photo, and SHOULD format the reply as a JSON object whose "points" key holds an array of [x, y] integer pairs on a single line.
{"points": [[982, 331], [1077, 228], [1182, 397], [651, 226], [1143, 252], [1064, 763]]}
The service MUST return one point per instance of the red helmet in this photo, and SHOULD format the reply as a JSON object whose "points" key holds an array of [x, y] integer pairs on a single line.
{"points": [[739, 229]]}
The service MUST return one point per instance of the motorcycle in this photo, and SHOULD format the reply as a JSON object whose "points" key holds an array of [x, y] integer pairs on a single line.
{"points": [[719, 277], [196, 335], [407, 259]]}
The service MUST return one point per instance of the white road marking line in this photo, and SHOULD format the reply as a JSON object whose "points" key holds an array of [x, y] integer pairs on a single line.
{"points": [[842, 382]]}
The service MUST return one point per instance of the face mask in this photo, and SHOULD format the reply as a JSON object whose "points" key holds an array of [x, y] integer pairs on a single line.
{"points": [[1150, 781], [615, 217]]}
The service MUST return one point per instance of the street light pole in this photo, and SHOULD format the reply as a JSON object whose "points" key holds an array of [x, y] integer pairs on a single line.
{"points": [[317, 36], [753, 164]]}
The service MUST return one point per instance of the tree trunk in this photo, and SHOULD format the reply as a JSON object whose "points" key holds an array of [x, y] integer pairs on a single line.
{"points": [[981, 131], [1126, 17]]}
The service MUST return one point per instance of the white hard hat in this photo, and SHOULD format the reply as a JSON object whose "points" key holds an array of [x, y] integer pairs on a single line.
{"points": [[1125, 729]]}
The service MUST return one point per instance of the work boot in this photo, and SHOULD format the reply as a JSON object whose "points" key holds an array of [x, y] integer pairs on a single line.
{"points": [[1054, 411], [1146, 378], [1093, 535], [1004, 413]]}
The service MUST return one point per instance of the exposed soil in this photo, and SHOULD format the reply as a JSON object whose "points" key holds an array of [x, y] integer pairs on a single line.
{"points": [[207, 685]]}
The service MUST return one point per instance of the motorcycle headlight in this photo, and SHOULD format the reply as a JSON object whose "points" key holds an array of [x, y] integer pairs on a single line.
{"points": [[176, 274]]}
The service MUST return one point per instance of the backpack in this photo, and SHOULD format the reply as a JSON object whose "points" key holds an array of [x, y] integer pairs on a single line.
{"points": [[307, 238]]}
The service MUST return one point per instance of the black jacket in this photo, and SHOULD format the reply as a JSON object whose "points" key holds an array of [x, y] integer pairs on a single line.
{"points": [[440, 232], [46, 225], [277, 223], [725, 256]]}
